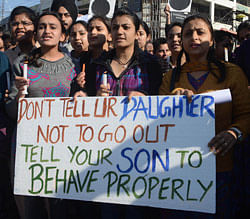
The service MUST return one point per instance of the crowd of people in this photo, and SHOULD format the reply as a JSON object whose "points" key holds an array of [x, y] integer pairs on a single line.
{"points": [[68, 57]]}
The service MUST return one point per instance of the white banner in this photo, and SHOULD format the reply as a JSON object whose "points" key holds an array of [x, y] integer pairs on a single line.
{"points": [[149, 152]]}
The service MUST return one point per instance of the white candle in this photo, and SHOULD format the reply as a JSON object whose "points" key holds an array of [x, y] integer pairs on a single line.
{"points": [[25, 75], [105, 79], [226, 54], [8, 80]]}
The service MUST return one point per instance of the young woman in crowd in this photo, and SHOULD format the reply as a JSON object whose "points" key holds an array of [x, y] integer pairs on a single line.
{"points": [[163, 53], [202, 73], [7, 203], [22, 25], [173, 35], [243, 31], [223, 42], [98, 37], [149, 47], [78, 40], [50, 73], [143, 35], [124, 61], [130, 72]]}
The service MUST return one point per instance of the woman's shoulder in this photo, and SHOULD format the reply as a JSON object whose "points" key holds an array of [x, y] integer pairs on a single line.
{"points": [[235, 74], [233, 69], [62, 65], [145, 57], [20, 59]]}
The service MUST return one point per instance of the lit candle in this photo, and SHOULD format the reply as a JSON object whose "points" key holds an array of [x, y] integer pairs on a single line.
{"points": [[226, 54], [105, 79], [83, 68]]}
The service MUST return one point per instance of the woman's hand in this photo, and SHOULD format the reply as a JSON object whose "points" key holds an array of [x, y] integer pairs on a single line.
{"points": [[186, 92], [134, 94], [21, 84], [104, 91], [223, 142], [79, 94], [80, 79], [167, 13]]}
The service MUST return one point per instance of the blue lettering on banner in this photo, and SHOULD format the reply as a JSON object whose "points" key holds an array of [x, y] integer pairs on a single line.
{"points": [[177, 106], [147, 158]]}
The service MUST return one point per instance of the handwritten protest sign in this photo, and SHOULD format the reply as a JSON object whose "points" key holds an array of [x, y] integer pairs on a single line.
{"points": [[151, 151]]}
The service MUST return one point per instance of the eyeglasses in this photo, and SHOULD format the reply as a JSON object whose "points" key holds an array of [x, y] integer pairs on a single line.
{"points": [[24, 23]]}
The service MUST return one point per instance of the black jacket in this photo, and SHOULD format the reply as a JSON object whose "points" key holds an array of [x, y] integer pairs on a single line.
{"points": [[144, 60]]}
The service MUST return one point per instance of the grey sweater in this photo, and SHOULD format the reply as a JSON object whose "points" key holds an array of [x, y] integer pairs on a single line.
{"points": [[51, 79]]}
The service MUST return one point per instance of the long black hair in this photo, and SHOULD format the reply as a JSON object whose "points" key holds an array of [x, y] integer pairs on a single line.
{"points": [[104, 20], [126, 11], [22, 10], [145, 27], [36, 53], [210, 56], [83, 23], [136, 21]]}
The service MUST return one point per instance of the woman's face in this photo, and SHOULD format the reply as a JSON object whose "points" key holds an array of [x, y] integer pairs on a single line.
{"points": [[149, 48], [197, 39], [22, 28], [123, 31], [142, 37], [98, 33], [220, 48], [49, 31], [174, 39], [163, 51], [79, 38]]}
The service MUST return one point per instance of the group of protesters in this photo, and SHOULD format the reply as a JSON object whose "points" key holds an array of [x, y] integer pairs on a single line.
{"points": [[66, 56]]}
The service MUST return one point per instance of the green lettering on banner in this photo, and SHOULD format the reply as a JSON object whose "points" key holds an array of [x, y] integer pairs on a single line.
{"points": [[105, 157], [35, 178], [97, 160], [182, 157], [188, 192], [162, 188], [41, 156], [151, 187], [81, 186], [33, 153], [200, 159], [110, 184], [64, 180], [72, 180], [91, 179], [134, 185], [206, 189], [52, 155], [26, 151], [47, 178], [175, 188], [77, 157], [121, 184], [73, 152]]}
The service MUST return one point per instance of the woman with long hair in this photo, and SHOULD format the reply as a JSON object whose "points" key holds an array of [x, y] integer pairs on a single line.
{"points": [[202, 73], [49, 74]]}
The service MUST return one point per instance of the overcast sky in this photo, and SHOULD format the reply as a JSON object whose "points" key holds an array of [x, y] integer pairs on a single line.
{"points": [[10, 4]]}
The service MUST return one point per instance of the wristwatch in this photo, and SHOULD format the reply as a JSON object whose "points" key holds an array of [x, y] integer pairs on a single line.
{"points": [[238, 133]]}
